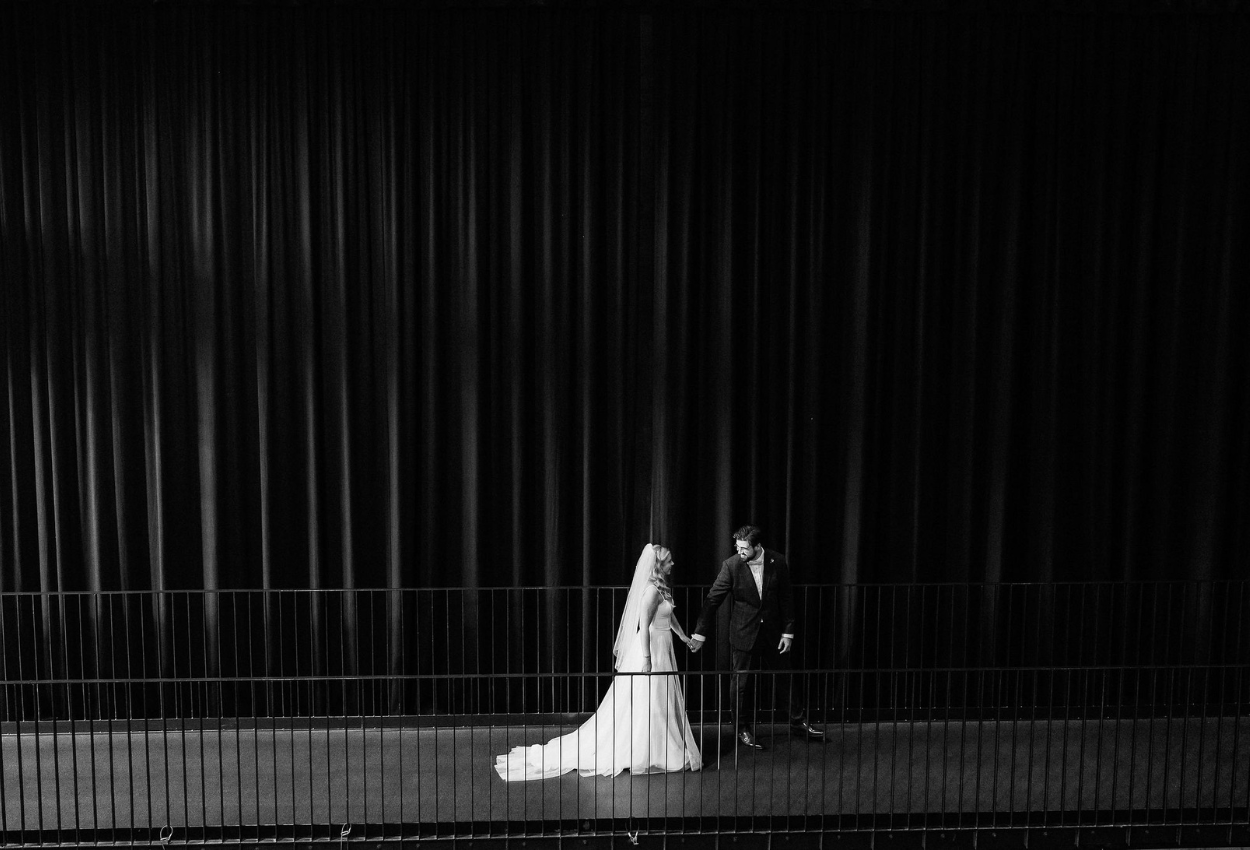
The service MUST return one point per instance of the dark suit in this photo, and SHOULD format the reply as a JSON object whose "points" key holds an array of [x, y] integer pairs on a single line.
{"points": [[756, 624]]}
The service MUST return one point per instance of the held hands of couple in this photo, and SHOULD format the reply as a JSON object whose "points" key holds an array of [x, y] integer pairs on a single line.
{"points": [[782, 647]]}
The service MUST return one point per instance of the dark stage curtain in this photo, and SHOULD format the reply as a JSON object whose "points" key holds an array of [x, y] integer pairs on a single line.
{"points": [[363, 296]]}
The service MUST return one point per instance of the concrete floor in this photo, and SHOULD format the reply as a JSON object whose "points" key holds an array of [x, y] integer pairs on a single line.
{"points": [[340, 776]]}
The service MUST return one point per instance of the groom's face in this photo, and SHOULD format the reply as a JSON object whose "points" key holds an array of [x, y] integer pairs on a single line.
{"points": [[745, 549]]}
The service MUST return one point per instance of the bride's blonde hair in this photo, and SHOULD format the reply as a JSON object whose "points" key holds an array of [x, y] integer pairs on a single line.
{"points": [[658, 578]]}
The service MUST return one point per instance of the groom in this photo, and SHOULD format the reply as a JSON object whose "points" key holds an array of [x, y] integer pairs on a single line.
{"points": [[761, 631]]}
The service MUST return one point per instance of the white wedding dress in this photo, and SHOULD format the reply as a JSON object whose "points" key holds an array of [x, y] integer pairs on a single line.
{"points": [[640, 725]]}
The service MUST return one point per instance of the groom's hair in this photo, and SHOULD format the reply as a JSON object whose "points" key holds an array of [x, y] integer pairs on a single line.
{"points": [[748, 533]]}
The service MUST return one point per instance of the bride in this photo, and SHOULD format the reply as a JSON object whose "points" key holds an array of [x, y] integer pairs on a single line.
{"points": [[641, 724]]}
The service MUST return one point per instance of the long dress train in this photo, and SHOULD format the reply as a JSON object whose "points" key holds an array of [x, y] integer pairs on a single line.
{"points": [[640, 725]]}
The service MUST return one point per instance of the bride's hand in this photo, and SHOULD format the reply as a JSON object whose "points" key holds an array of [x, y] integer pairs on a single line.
{"points": [[646, 664]]}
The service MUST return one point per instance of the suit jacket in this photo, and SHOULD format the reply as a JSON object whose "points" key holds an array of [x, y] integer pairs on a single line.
{"points": [[773, 614]]}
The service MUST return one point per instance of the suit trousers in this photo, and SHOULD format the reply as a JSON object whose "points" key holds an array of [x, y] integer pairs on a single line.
{"points": [[745, 689]]}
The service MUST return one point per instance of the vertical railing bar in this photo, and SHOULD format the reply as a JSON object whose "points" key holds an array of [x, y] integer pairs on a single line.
{"points": [[1121, 673], [449, 682], [147, 730], [863, 691], [1214, 657], [246, 694], [1236, 705], [381, 695], [9, 714], [991, 698], [556, 596], [1068, 709], [507, 617], [697, 679], [201, 691], [1047, 606], [598, 631], [250, 596], [921, 711], [493, 642], [361, 706], [480, 693], [997, 713], [1138, 674], [318, 703], [375, 707], [271, 697], [1241, 670], [220, 687], [876, 728], [964, 700], [1164, 672], [58, 601], [1170, 672], [1142, 673], [821, 691], [34, 689], [1237, 671], [398, 593], [434, 703], [981, 673], [87, 717], [1153, 696], [18, 712], [168, 608], [114, 714], [287, 695], [308, 710], [45, 605], [463, 686], [318, 694], [1099, 720], [1032, 679], [895, 698], [949, 697], [326, 597], [934, 699], [38, 626], [346, 596], [1186, 670], [1009, 708], [1205, 673]]}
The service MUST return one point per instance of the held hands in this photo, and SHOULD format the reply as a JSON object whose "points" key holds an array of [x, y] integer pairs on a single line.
{"points": [[694, 644], [784, 646]]}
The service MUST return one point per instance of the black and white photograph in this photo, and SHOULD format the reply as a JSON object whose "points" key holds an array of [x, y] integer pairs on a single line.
{"points": [[685, 424]]}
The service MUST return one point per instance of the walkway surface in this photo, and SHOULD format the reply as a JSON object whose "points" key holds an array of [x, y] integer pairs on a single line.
{"points": [[1006, 771]]}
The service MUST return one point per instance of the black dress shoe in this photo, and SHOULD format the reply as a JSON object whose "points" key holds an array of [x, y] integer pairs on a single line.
{"points": [[807, 730], [746, 739]]}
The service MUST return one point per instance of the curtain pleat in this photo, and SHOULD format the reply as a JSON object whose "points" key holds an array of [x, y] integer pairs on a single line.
{"points": [[319, 297]]}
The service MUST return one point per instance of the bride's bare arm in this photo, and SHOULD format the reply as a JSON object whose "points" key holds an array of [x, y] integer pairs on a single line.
{"points": [[650, 604]]}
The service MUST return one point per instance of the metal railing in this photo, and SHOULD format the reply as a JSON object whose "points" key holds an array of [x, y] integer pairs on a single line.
{"points": [[900, 651], [1140, 692]]}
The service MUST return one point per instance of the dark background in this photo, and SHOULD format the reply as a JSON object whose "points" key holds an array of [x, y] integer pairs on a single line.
{"points": [[370, 295]]}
